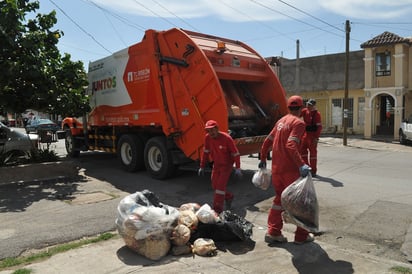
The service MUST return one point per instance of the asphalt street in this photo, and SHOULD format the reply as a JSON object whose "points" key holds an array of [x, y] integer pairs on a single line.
{"points": [[364, 191]]}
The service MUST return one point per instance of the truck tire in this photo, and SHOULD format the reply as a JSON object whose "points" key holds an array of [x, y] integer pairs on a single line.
{"points": [[71, 145], [130, 152], [158, 159]]}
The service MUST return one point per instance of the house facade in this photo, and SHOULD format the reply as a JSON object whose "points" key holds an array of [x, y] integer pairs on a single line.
{"points": [[379, 85], [388, 83]]}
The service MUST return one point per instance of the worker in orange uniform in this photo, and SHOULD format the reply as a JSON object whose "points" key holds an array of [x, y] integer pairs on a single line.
{"points": [[222, 150], [309, 149], [287, 166]]}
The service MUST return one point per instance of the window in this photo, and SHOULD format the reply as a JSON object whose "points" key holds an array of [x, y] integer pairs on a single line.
{"points": [[383, 64], [337, 112]]}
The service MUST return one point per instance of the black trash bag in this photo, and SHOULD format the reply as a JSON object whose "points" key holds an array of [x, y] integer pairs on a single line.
{"points": [[237, 224], [148, 198], [230, 227], [218, 232]]}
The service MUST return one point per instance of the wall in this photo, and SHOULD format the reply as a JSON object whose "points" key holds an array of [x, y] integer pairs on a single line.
{"points": [[323, 78]]}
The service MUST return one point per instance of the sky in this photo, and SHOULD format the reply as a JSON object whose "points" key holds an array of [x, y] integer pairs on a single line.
{"points": [[94, 29]]}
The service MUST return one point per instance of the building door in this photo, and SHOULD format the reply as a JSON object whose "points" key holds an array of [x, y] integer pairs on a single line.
{"points": [[385, 125]]}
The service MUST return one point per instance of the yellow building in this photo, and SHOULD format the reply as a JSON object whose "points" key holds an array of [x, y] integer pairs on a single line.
{"points": [[379, 80], [388, 83], [322, 78]]}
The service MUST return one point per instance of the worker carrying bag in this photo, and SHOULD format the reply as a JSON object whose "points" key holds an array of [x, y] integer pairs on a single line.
{"points": [[301, 204]]}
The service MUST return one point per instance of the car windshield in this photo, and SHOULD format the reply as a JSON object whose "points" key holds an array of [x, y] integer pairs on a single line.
{"points": [[41, 121]]}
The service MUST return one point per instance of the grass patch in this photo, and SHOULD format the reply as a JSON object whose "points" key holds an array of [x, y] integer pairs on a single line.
{"points": [[24, 260], [23, 271], [401, 269]]}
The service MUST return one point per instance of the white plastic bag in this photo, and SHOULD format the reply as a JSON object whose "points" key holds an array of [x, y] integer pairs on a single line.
{"points": [[207, 215], [300, 203], [146, 224], [262, 178]]}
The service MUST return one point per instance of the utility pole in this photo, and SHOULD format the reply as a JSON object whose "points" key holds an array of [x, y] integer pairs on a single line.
{"points": [[345, 100], [297, 68]]}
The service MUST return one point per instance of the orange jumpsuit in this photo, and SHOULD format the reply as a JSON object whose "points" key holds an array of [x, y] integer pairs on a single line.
{"points": [[224, 153], [309, 147], [285, 140]]}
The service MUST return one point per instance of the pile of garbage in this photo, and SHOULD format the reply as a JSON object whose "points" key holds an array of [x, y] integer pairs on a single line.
{"points": [[153, 229]]}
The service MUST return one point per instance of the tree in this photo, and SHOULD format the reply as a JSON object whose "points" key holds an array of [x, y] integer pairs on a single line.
{"points": [[33, 73]]}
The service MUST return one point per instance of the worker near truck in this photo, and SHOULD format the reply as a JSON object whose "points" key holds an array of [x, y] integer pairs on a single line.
{"points": [[287, 166], [309, 148], [221, 148]]}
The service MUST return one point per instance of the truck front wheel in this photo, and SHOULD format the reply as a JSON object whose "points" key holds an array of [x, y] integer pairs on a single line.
{"points": [[70, 143], [158, 159], [130, 152]]}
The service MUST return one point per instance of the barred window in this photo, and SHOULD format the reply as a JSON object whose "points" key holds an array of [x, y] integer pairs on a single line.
{"points": [[337, 112], [383, 64]]}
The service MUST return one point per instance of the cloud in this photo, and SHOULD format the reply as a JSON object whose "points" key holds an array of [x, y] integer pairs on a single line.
{"points": [[227, 10], [368, 9], [261, 10]]}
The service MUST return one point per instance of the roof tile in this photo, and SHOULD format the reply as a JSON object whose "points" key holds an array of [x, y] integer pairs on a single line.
{"points": [[386, 38]]}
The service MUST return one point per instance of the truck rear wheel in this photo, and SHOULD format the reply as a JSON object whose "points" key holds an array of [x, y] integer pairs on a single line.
{"points": [[130, 152], [70, 143], [158, 159]]}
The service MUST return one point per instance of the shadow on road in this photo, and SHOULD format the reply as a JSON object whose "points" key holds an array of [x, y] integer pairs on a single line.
{"points": [[312, 258], [331, 181], [18, 197]]}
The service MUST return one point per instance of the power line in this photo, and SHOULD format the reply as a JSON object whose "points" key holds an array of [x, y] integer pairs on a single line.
{"points": [[184, 21], [258, 21], [293, 18], [115, 30], [82, 29], [310, 15], [170, 22], [118, 17], [378, 24]]}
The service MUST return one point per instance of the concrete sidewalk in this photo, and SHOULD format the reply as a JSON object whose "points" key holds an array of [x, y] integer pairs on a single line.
{"points": [[254, 256]]}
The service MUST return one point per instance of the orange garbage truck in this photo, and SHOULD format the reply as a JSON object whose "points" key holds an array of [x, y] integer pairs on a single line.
{"points": [[149, 102]]}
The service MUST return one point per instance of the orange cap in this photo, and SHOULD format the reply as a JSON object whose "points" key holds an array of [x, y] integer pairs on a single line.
{"points": [[295, 101], [211, 124]]}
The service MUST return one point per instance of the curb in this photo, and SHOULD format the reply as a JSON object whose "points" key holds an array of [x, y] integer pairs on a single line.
{"points": [[38, 172]]}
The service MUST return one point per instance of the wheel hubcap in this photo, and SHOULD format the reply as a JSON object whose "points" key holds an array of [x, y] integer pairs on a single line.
{"points": [[155, 159], [126, 153]]}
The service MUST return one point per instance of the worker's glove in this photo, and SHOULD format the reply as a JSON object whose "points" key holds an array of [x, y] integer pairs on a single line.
{"points": [[262, 164], [201, 172], [238, 173], [304, 170]]}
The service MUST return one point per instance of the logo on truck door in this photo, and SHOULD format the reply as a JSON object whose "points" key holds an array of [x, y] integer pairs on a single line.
{"points": [[140, 75], [104, 84]]}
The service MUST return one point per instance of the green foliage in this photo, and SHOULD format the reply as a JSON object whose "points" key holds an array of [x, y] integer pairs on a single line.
{"points": [[35, 156], [43, 155], [23, 271], [401, 269], [33, 73]]}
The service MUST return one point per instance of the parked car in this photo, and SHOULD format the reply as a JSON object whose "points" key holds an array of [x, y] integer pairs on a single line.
{"points": [[41, 124], [405, 131], [15, 145]]}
